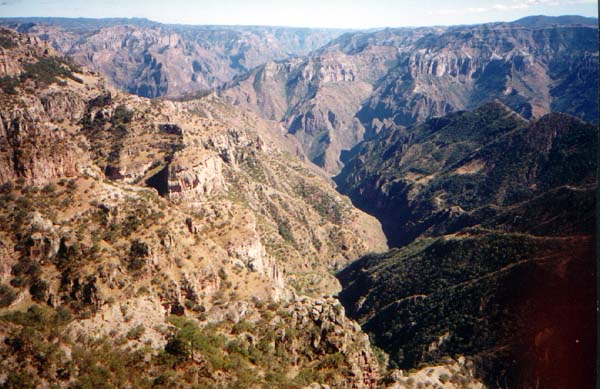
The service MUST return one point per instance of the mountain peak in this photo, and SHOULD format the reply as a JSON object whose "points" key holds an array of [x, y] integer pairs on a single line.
{"points": [[495, 105]]}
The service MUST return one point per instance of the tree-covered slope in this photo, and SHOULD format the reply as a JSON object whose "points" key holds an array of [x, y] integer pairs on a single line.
{"points": [[521, 307], [494, 220], [465, 168]]}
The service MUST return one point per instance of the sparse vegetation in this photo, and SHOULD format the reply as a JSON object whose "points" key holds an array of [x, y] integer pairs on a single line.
{"points": [[7, 42], [48, 70], [136, 332], [328, 207]]}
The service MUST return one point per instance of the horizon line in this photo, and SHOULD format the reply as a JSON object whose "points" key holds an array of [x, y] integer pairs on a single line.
{"points": [[165, 23]]}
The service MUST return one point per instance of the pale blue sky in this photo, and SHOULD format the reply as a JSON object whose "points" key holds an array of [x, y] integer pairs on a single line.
{"points": [[305, 13]]}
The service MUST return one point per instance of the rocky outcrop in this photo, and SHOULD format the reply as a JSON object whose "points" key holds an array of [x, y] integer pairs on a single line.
{"points": [[233, 145], [250, 252], [35, 128], [327, 328], [117, 320], [61, 106], [8, 258], [195, 175], [8, 65], [34, 149], [43, 238], [27, 47]]}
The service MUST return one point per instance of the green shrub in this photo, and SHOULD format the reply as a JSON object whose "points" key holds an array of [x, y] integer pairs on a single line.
{"points": [[72, 185], [7, 296], [20, 379], [285, 232], [138, 253], [122, 115], [136, 332], [241, 327], [130, 225], [7, 187], [33, 317], [8, 84], [332, 361], [38, 289], [100, 101], [49, 189]]}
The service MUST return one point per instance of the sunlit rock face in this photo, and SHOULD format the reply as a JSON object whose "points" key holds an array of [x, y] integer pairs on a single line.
{"points": [[361, 83]]}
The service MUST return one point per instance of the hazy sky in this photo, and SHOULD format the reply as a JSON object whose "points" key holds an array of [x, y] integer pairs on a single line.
{"points": [[308, 13]]}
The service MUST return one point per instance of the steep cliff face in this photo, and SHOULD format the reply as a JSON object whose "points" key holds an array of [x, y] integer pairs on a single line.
{"points": [[528, 69], [327, 327], [353, 86], [163, 233], [315, 98], [34, 146], [494, 219], [361, 83], [150, 59]]}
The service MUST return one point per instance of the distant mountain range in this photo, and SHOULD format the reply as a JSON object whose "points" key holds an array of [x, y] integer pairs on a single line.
{"points": [[332, 88], [361, 83], [152, 59], [538, 21]]}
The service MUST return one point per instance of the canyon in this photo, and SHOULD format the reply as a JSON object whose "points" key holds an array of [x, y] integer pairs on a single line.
{"points": [[248, 206], [333, 88]]}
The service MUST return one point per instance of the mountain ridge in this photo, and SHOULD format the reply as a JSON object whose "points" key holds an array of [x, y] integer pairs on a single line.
{"points": [[542, 20], [390, 77]]}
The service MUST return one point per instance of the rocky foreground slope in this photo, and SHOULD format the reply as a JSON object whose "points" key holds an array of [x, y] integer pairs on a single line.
{"points": [[361, 83], [159, 243], [494, 219]]}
